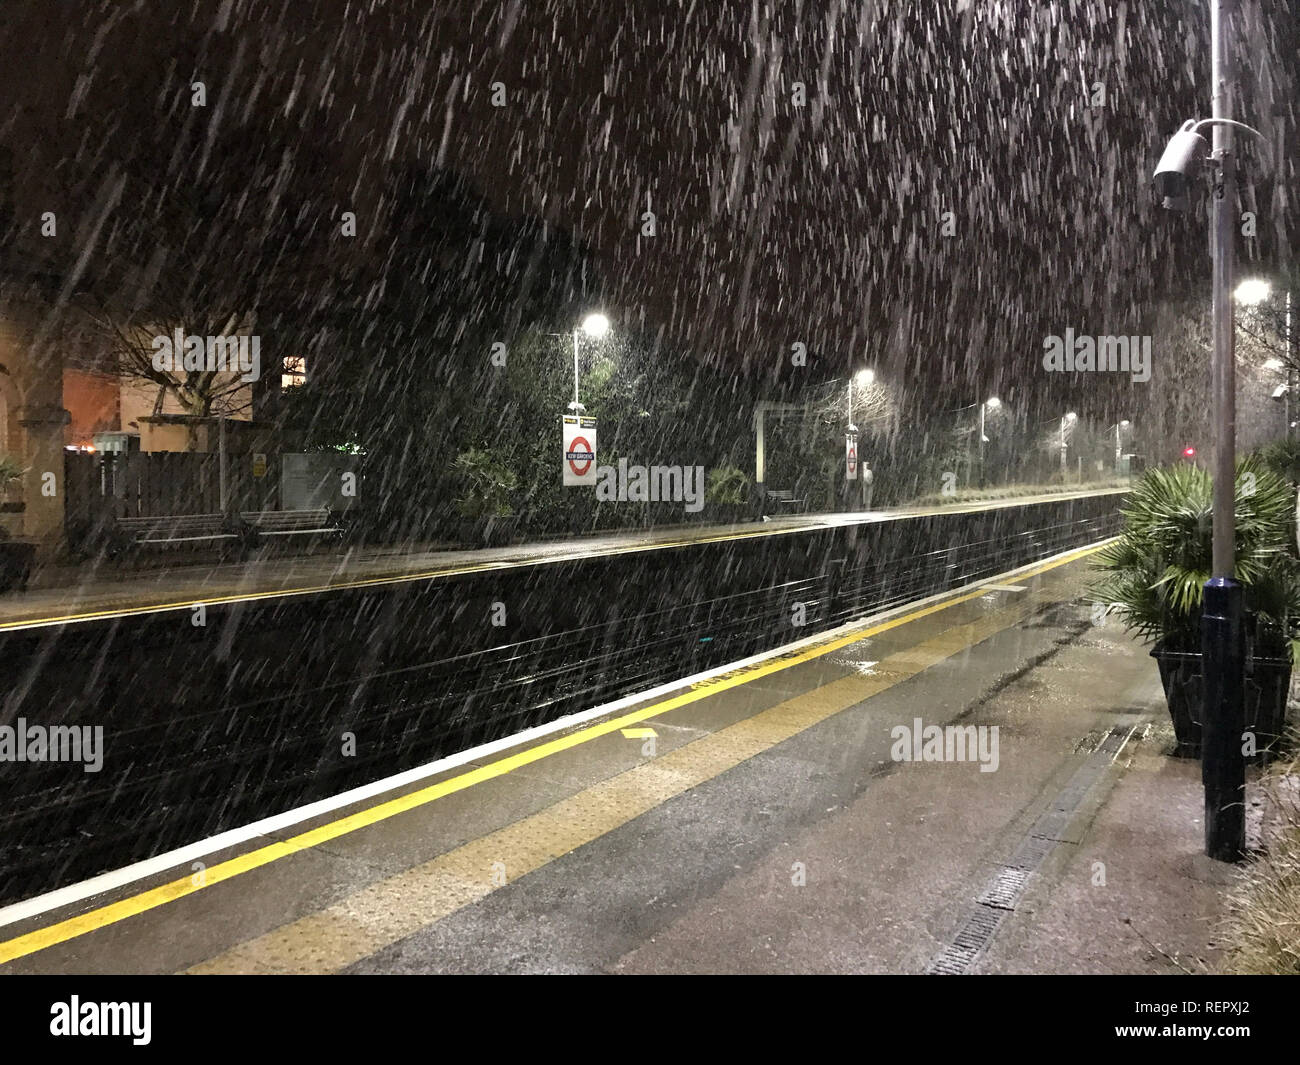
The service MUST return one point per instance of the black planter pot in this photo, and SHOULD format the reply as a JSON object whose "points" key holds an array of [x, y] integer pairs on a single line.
{"points": [[15, 564], [1268, 681]]}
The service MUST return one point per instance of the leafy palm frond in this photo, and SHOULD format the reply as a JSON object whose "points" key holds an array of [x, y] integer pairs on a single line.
{"points": [[1156, 570]]}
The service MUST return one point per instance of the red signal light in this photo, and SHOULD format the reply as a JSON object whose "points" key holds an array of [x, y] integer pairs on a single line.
{"points": [[1189, 452]]}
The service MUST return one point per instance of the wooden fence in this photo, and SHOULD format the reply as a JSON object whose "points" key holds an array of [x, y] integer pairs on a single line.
{"points": [[103, 487]]}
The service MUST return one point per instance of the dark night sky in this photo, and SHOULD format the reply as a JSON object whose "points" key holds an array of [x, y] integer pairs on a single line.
{"points": [[776, 223]]}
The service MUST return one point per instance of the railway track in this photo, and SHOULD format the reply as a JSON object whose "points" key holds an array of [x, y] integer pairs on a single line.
{"points": [[276, 704]]}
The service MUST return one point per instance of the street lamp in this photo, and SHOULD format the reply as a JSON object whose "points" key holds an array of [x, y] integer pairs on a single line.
{"points": [[1067, 420], [595, 326], [864, 379], [992, 403], [1223, 767], [1252, 291], [1119, 447]]}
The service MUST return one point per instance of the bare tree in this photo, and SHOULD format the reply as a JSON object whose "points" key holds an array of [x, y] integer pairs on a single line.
{"points": [[873, 404], [129, 337], [1266, 326]]}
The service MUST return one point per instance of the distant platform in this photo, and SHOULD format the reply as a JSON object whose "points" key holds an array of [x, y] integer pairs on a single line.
{"points": [[111, 593]]}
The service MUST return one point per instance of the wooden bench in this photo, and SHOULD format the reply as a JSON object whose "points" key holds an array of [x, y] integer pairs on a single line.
{"points": [[176, 530], [286, 523], [783, 500]]}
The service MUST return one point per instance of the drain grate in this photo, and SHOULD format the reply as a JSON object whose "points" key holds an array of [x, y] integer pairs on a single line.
{"points": [[1003, 891], [968, 944], [1052, 825], [1031, 852]]}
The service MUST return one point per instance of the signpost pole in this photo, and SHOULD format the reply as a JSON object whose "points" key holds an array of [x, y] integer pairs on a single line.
{"points": [[577, 406]]}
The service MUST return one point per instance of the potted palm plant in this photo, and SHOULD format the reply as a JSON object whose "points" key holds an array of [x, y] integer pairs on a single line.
{"points": [[485, 503], [1156, 569]]}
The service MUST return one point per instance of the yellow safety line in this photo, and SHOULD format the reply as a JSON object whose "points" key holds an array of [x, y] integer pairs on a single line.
{"points": [[370, 582], [43, 938], [383, 912]]}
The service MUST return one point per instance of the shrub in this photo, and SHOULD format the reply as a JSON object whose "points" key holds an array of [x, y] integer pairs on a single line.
{"points": [[728, 485], [1160, 562], [9, 470], [1283, 458], [487, 485], [1263, 922]]}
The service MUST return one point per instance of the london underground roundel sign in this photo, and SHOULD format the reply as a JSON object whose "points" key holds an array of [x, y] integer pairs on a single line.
{"points": [[579, 455]]}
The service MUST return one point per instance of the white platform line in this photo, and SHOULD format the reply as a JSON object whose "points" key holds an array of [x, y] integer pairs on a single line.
{"points": [[182, 856]]}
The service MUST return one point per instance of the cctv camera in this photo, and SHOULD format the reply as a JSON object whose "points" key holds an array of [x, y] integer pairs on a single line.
{"points": [[1183, 156], [1280, 391]]}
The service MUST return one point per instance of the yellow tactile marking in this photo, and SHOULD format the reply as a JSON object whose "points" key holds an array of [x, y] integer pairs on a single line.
{"points": [[62, 931], [389, 910]]}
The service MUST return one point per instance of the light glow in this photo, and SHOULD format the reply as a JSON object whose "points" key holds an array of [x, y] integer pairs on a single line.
{"points": [[1253, 290], [595, 325]]}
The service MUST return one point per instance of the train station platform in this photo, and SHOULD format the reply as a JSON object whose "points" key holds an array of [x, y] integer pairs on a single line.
{"points": [[73, 593], [788, 813]]}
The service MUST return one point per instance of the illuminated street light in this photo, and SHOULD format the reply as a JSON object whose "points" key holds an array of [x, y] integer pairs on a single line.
{"points": [[1120, 426], [595, 326], [1252, 291], [1223, 766], [864, 379], [992, 403], [1066, 421]]}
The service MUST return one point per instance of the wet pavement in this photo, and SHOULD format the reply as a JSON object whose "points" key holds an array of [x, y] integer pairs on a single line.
{"points": [[760, 820]]}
